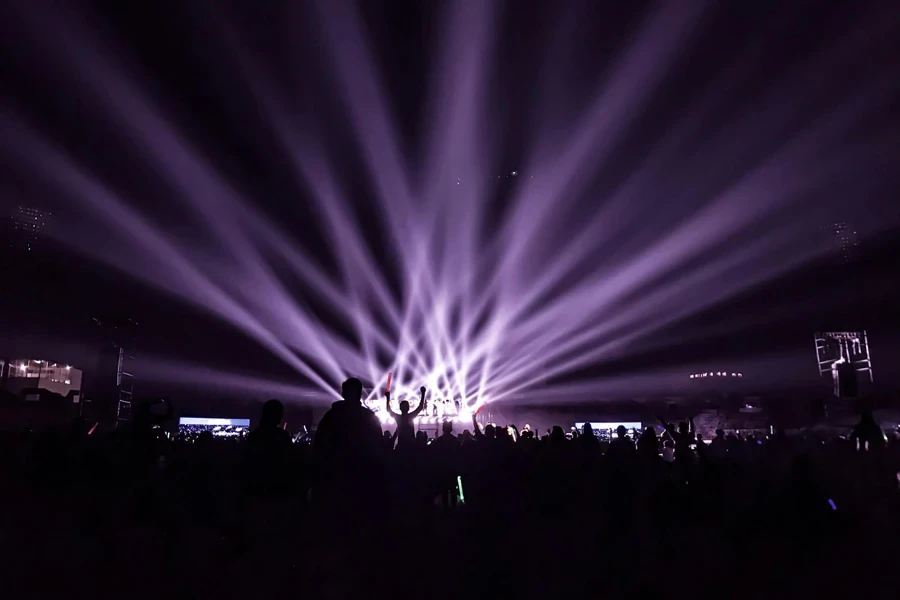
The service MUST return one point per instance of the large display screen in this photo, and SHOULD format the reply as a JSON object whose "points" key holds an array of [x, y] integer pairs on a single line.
{"points": [[194, 426], [598, 426]]}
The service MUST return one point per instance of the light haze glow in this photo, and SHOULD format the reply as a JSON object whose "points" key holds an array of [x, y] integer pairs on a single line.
{"points": [[574, 275]]}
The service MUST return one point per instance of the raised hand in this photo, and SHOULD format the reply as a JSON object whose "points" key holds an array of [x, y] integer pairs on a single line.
{"points": [[387, 403], [421, 402]]}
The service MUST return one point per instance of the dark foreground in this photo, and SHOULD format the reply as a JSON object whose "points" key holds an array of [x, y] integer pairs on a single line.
{"points": [[131, 516]]}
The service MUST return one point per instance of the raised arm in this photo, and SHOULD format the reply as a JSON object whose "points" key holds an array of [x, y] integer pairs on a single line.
{"points": [[421, 402], [668, 430], [477, 427], [387, 401]]}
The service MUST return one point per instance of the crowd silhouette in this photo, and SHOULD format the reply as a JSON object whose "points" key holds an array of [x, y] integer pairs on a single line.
{"points": [[493, 513]]}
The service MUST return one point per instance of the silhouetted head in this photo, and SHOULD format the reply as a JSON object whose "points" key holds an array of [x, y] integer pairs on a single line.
{"points": [[142, 417], [447, 427], [422, 437], [720, 434], [649, 433], [588, 430], [621, 431], [557, 435], [683, 428], [205, 439], [404, 407], [489, 431], [351, 390], [388, 435], [867, 417], [272, 412], [142, 410]]}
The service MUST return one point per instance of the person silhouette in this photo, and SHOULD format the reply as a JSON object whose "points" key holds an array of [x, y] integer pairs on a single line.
{"points": [[348, 432], [718, 448], [269, 421], [144, 435], [683, 442], [421, 439], [144, 420], [447, 436], [406, 433], [557, 436], [682, 438], [587, 439], [446, 453], [269, 451], [648, 444], [668, 452], [867, 435], [347, 462], [621, 447]]}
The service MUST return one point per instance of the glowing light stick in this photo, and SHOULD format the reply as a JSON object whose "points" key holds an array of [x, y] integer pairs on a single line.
{"points": [[462, 494], [388, 386]]}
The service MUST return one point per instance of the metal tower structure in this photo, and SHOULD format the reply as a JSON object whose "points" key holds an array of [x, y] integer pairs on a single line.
{"points": [[120, 333], [850, 346], [125, 387]]}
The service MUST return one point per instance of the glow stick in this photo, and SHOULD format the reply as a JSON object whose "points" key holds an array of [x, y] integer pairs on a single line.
{"points": [[388, 387]]}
